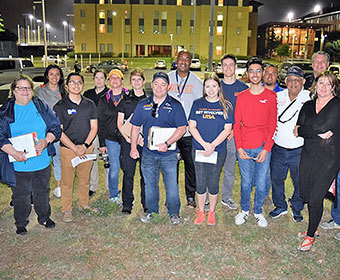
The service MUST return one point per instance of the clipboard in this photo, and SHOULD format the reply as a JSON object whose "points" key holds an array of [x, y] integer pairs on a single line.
{"points": [[158, 135]]}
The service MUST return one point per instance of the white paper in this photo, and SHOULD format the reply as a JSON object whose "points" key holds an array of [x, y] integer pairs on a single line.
{"points": [[24, 143], [77, 160], [158, 135], [199, 157]]}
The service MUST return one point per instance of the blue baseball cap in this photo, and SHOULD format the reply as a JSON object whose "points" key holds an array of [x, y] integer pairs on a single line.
{"points": [[295, 71], [161, 75]]}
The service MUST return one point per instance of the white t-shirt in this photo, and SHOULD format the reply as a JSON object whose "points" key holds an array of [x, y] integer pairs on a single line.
{"points": [[287, 118]]}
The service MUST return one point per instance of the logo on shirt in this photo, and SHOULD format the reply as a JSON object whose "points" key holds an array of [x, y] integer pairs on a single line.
{"points": [[264, 101], [167, 106], [71, 111]]}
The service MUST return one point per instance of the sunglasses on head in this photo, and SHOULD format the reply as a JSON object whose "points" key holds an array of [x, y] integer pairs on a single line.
{"points": [[154, 112]]}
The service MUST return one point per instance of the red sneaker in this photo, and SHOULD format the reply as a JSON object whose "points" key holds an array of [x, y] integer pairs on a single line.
{"points": [[200, 218], [211, 219]]}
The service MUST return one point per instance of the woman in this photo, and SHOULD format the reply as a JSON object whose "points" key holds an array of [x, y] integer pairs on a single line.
{"points": [[209, 124], [51, 92], [22, 115], [127, 163], [319, 125], [99, 78], [108, 133]]}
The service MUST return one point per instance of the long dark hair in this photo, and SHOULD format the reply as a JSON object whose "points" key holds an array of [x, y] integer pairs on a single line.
{"points": [[61, 83]]}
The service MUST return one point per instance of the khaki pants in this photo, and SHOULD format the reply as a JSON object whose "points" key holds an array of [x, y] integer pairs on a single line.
{"points": [[94, 176], [67, 178]]}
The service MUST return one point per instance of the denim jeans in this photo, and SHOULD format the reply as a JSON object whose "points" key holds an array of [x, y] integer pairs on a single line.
{"points": [[283, 160], [336, 211], [56, 162], [229, 171], [253, 172], [113, 151], [151, 165]]}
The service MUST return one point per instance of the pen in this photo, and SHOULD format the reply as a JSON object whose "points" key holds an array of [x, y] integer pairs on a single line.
{"points": [[25, 153]]}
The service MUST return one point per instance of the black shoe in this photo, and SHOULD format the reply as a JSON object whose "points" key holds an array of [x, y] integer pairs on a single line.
{"points": [[21, 230], [48, 224], [91, 193], [126, 211], [191, 202]]}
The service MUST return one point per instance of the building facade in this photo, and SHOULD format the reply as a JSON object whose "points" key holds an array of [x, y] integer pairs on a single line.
{"points": [[164, 27]]}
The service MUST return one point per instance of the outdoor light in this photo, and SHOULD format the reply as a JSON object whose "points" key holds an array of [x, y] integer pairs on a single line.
{"points": [[290, 16], [317, 8], [31, 17], [64, 23]]}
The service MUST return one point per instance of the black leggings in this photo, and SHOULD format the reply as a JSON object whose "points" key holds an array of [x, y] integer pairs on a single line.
{"points": [[315, 215]]}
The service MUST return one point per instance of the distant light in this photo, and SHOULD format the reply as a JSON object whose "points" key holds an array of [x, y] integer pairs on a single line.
{"points": [[38, 20], [48, 26], [31, 17], [114, 13], [290, 16], [317, 8], [65, 23], [73, 29]]}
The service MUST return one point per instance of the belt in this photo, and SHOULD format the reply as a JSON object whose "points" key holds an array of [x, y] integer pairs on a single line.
{"points": [[289, 149]]}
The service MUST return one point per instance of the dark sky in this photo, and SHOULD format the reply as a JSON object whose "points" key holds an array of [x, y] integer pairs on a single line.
{"points": [[56, 10]]}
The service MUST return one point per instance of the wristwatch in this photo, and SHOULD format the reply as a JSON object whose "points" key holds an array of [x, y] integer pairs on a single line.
{"points": [[87, 145], [167, 144]]}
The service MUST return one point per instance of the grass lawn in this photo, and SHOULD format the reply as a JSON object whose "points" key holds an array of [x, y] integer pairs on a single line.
{"points": [[114, 246]]}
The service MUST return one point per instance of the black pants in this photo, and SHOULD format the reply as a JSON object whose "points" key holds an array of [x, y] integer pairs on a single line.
{"points": [[128, 166], [27, 183], [185, 147]]}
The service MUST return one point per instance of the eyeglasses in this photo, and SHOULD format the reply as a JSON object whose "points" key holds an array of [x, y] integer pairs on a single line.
{"points": [[154, 112], [252, 71], [293, 81], [73, 83], [22, 89]]}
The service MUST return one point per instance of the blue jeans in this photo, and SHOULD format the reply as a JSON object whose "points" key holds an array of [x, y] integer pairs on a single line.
{"points": [[56, 162], [283, 160], [253, 172], [336, 211], [151, 165], [113, 151]]}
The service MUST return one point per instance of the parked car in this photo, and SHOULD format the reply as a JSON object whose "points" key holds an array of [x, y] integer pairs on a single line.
{"points": [[241, 68], [160, 64], [174, 65], [305, 65], [11, 67], [335, 69], [107, 65], [54, 59], [213, 66], [195, 64]]}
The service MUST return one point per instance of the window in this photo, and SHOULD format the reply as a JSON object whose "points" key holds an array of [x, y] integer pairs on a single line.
{"points": [[127, 22], [240, 3], [156, 23], [83, 47], [220, 3], [102, 48], [164, 18], [141, 22], [218, 50], [192, 23], [237, 50], [127, 47], [178, 22], [82, 13], [238, 30], [239, 15], [179, 2], [109, 48], [109, 21], [219, 28], [102, 28], [83, 27]]}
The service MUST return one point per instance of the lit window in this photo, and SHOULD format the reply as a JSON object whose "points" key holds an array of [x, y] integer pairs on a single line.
{"points": [[179, 2], [218, 50], [219, 30], [102, 27], [220, 3], [240, 3], [220, 17]]}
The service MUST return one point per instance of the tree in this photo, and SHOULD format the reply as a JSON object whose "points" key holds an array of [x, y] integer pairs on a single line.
{"points": [[282, 50], [2, 26], [273, 42], [333, 48]]}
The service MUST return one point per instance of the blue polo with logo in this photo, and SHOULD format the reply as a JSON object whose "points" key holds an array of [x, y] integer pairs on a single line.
{"points": [[170, 113]]}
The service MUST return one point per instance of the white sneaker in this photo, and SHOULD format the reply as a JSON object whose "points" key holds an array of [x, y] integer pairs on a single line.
{"points": [[329, 225], [57, 192], [241, 217], [261, 220]]}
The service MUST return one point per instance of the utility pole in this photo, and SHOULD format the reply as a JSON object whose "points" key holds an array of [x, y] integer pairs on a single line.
{"points": [[211, 33]]}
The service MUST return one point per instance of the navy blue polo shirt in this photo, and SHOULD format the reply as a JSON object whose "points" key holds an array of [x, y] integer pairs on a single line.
{"points": [[170, 114]]}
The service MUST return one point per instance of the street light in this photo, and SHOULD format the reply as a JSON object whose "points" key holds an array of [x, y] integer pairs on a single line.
{"points": [[38, 23], [73, 30], [65, 25], [317, 8], [114, 13], [172, 46], [290, 16], [48, 32]]}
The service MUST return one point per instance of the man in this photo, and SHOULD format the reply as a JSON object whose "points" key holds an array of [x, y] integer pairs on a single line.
{"points": [[334, 223], [78, 119], [255, 124], [231, 88], [287, 148], [320, 63], [185, 86], [270, 75], [159, 110]]}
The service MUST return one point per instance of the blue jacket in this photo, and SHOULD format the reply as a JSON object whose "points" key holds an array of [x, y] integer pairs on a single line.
{"points": [[7, 175]]}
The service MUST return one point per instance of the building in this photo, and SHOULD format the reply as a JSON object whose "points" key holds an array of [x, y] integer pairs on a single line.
{"points": [[164, 27], [304, 35]]}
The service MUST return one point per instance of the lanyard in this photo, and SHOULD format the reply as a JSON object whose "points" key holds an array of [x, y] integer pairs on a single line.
{"points": [[180, 92]]}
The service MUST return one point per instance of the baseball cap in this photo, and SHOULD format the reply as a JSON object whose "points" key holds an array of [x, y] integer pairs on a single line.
{"points": [[161, 75], [295, 71], [116, 72]]}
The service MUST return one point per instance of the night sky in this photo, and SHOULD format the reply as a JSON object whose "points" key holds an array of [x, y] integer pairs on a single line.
{"points": [[56, 10]]}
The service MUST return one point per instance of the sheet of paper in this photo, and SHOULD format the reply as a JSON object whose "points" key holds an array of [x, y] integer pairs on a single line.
{"points": [[77, 160], [158, 135], [24, 143], [199, 157]]}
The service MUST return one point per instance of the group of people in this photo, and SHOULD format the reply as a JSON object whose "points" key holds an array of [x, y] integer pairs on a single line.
{"points": [[210, 125]]}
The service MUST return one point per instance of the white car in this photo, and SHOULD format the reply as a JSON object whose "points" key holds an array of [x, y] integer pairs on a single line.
{"points": [[160, 64], [54, 59], [241, 68], [195, 64]]}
